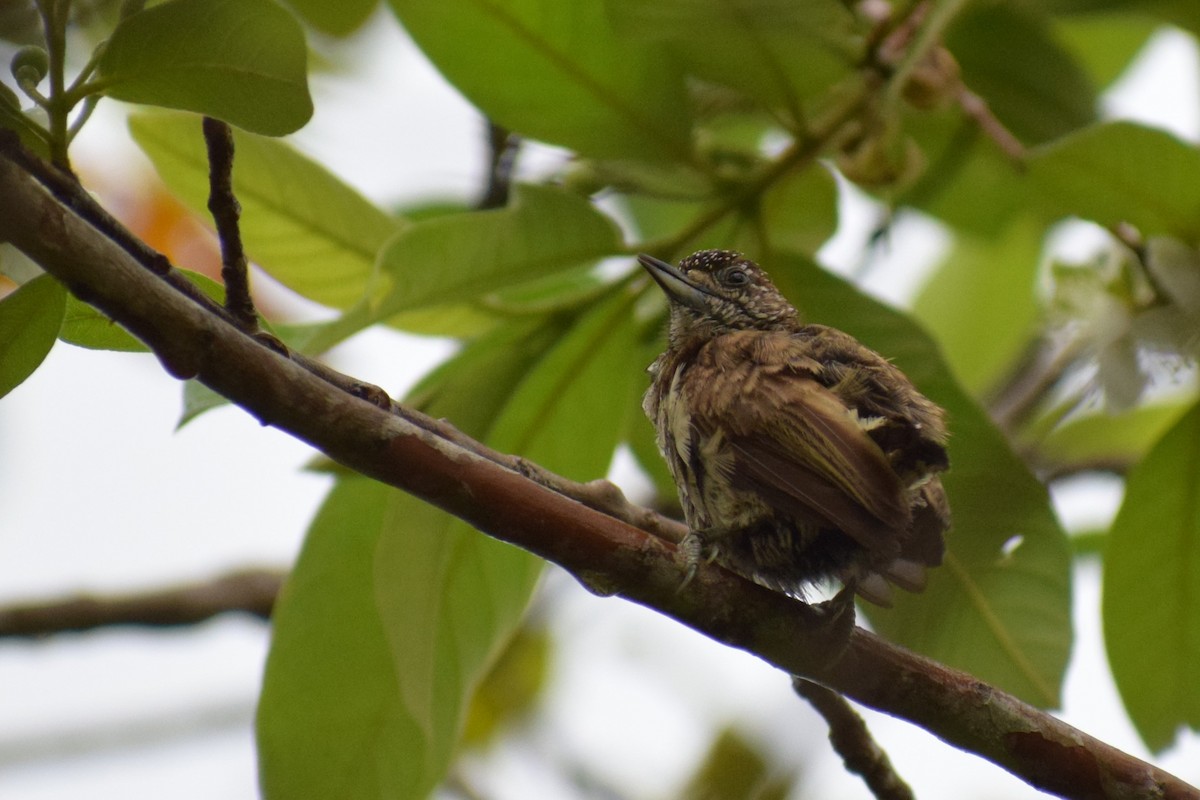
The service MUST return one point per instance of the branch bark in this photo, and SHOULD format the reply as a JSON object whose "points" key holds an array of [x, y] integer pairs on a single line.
{"points": [[605, 552], [850, 738], [250, 591]]}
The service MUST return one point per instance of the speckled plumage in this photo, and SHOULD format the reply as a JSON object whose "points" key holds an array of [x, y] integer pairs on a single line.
{"points": [[799, 454]]}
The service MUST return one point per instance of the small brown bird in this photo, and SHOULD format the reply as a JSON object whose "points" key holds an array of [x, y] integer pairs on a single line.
{"points": [[799, 454]]}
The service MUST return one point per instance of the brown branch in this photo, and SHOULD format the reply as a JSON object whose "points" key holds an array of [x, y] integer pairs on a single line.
{"points": [[226, 211], [606, 554], [503, 148], [251, 591], [850, 738]]}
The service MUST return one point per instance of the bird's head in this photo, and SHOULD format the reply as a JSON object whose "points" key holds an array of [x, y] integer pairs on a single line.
{"points": [[714, 292]]}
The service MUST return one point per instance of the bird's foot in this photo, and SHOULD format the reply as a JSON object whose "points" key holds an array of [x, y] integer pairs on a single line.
{"points": [[691, 547], [836, 619]]}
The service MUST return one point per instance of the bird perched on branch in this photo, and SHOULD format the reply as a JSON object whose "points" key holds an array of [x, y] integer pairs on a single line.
{"points": [[799, 454]]}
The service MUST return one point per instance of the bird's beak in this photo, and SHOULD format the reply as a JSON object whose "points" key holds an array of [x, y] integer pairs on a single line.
{"points": [[674, 283]]}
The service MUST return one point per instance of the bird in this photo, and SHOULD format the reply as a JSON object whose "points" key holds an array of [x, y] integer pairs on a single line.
{"points": [[800, 455]]}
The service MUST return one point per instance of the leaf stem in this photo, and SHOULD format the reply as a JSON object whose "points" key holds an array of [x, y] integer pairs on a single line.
{"points": [[929, 34], [54, 15]]}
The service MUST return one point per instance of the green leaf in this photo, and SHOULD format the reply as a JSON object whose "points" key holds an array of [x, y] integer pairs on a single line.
{"points": [[558, 73], [1105, 44], [29, 321], [330, 670], [980, 304], [32, 135], [86, 326], [448, 598], [512, 688], [1101, 438], [1039, 96], [736, 769], [543, 230], [197, 399], [393, 613], [243, 61], [300, 223], [997, 612], [1151, 573], [799, 212], [1122, 172], [462, 274], [337, 19], [778, 53], [969, 183], [1184, 13], [570, 411], [20, 22]]}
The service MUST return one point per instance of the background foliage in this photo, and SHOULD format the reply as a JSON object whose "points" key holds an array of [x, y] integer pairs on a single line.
{"points": [[690, 124]]}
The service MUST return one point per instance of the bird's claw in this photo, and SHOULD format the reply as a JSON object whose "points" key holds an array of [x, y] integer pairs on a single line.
{"points": [[691, 547]]}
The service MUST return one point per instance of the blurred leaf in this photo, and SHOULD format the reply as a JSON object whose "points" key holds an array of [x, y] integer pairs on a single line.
{"points": [[1120, 171], [448, 599], [462, 274], [660, 179], [570, 411], [20, 23], [242, 61], [543, 230], [12, 117], [462, 320], [1184, 13], [800, 211], [777, 53], [1042, 95], [980, 303], [299, 222], [968, 183], [558, 73], [29, 321], [1151, 574], [1088, 543], [733, 769], [554, 292], [337, 19], [511, 687], [1101, 438], [393, 613], [330, 669], [432, 600], [998, 612], [1105, 44]]}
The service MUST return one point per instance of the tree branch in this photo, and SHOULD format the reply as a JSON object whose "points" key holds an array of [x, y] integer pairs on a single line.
{"points": [[607, 554], [226, 211], [503, 147], [850, 738], [249, 591]]}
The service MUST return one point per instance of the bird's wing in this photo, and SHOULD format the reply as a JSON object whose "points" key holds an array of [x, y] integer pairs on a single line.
{"points": [[794, 441]]}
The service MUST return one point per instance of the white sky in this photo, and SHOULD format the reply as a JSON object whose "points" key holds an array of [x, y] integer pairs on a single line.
{"points": [[99, 493]]}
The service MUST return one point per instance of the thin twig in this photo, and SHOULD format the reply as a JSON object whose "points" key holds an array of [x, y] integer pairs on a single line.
{"points": [[250, 591], [54, 22], [67, 190], [850, 738], [226, 211], [503, 148], [978, 110]]}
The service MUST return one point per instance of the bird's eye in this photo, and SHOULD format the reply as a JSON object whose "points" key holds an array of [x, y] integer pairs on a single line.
{"points": [[735, 277]]}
